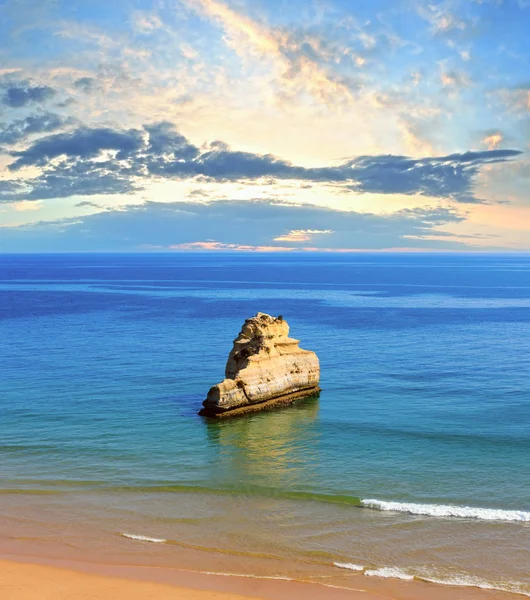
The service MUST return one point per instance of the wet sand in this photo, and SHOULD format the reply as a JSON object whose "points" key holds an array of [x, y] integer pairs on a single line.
{"points": [[38, 578]]}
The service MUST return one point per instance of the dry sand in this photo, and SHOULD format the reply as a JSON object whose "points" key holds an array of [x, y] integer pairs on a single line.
{"points": [[39, 582]]}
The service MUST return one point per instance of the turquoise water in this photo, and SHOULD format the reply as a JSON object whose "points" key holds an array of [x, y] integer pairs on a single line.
{"points": [[421, 433]]}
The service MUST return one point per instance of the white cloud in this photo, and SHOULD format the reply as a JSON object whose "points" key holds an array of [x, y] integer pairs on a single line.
{"points": [[144, 22], [27, 205], [301, 235]]}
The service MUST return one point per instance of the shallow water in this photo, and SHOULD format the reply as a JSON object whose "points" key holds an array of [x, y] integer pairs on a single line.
{"points": [[416, 457]]}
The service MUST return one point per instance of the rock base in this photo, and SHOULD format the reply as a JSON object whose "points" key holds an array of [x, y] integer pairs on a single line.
{"points": [[278, 402]]}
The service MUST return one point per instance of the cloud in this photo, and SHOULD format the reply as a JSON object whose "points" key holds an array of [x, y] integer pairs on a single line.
{"points": [[492, 140], [24, 93], [219, 246], [22, 128], [86, 84], [82, 143], [443, 22], [454, 79], [9, 190], [301, 235], [107, 161], [165, 140], [146, 23], [242, 223], [448, 176], [26, 205], [88, 204], [303, 61], [516, 99], [64, 183]]}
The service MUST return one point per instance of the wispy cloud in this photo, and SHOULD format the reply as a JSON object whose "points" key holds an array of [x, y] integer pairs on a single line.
{"points": [[146, 22], [300, 60], [442, 21], [454, 79], [220, 246], [301, 235], [517, 99], [26, 205], [237, 225]]}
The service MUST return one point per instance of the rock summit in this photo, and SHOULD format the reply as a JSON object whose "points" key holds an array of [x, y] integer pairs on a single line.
{"points": [[265, 368]]}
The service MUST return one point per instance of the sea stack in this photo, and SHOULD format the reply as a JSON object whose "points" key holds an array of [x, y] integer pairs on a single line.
{"points": [[265, 368]]}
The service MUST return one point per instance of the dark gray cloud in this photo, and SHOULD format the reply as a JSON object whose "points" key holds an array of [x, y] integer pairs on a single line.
{"points": [[83, 143], [22, 128], [164, 140], [24, 93], [87, 204], [441, 177], [10, 189], [252, 223], [63, 183], [161, 151], [72, 178]]}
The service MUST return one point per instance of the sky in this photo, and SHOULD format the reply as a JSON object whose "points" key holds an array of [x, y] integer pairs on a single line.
{"points": [[264, 125]]}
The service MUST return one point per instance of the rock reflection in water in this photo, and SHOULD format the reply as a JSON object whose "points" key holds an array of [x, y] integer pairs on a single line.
{"points": [[271, 449]]}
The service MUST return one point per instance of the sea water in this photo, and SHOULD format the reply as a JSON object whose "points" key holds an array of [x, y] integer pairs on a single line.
{"points": [[413, 463]]}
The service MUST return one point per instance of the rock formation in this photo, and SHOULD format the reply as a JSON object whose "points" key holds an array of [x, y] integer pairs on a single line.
{"points": [[265, 368]]}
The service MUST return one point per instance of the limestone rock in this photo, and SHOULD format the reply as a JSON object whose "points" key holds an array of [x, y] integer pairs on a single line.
{"points": [[265, 368]]}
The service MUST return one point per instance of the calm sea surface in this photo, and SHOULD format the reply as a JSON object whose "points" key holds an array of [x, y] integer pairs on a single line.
{"points": [[414, 461]]}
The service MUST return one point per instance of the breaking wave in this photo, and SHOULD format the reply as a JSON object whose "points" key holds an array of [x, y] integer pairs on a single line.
{"points": [[448, 510], [457, 580], [391, 572], [143, 538], [477, 582], [350, 566]]}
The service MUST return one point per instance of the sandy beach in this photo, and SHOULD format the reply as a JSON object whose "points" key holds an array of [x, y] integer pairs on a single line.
{"points": [[23, 578], [30, 581], [39, 582]]}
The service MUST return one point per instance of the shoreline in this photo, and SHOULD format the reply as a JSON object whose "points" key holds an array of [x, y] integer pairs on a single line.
{"points": [[192, 585], [70, 531], [52, 577]]}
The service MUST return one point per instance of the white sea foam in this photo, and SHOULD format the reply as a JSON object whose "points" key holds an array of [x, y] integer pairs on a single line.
{"points": [[244, 575], [278, 578], [472, 581], [447, 510], [350, 566], [391, 572], [144, 538], [275, 577], [459, 580]]}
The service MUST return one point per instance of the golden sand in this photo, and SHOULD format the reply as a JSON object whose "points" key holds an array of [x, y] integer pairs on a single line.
{"points": [[38, 582]]}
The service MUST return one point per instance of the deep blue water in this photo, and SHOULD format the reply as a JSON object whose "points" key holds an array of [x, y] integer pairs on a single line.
{"points": [[425, 360]]}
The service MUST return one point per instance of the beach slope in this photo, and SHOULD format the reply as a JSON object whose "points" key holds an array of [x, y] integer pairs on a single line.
{"points": [[40, 582]]}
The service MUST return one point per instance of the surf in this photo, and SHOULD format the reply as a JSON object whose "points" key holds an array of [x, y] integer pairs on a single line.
{"points": [[449, 510], [143, 538]]}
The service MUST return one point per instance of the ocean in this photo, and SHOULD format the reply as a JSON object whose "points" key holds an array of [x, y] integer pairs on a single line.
{"points": [[414, 462]]}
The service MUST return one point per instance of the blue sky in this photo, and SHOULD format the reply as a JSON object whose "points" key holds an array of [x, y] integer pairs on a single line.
{"points": [[333, 125]]}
